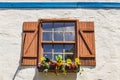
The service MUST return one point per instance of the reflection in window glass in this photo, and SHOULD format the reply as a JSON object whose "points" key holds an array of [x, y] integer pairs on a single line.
{"points": [[69, 48], [69, 36], [47, 47], [58, 36], [47, 36], [57, 55], [58, 26], [48, 56], [47, 26], [58, 48], [69, 56], [70, 26], [53, 50], [58, 31]]}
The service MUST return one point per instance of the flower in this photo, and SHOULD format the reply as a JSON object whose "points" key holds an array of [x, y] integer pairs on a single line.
{"points": [[59, 63], [59, 57], [69, 61], [73, 65], [42, 59], [39, 65], [77, 61]]}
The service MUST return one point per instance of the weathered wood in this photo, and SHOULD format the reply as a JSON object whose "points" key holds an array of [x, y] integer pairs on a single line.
{"points": [[58, 19], [86, 43], [29, 43]]}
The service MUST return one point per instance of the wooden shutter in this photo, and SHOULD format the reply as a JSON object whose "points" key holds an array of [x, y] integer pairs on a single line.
{"points": [[29, 43], [86, 43]]}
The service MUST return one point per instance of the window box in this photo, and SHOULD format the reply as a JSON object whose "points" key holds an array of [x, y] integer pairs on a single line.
{"points": [[59, 65], [52, 68]]}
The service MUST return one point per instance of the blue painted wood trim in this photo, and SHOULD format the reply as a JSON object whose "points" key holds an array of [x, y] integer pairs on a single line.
{"points": [[59, 4]]}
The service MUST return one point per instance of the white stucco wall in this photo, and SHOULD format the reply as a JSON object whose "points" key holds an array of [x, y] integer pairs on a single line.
{"points": [[107, 37]]}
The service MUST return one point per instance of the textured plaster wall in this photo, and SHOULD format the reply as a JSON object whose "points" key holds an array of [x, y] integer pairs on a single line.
{"points": [[107, 35]]}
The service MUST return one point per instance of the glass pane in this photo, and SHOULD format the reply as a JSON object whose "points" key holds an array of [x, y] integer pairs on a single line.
{"points": [[70, 26], [58, 48], [69, 56], [58, 26], [47, 26], [69, 36], [69, 48], [47, 47], [57, 55], [58, 36], [47, 36], [48, 56]]}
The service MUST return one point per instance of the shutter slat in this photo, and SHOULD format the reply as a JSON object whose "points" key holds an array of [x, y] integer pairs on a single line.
{"points": [[29, 43], [86, 43]]}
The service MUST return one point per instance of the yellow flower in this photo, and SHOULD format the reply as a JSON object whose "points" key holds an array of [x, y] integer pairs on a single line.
{"points": [[69, 61], [42, 59], [77, 60], [59, 63]]}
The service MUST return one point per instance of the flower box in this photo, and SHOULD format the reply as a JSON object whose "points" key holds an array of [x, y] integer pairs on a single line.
{"points": [[59, 65], [52, 68]]}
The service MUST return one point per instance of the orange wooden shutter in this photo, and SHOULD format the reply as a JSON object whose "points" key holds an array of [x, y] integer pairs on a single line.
{"points": [[29, 43], [86, 43]]}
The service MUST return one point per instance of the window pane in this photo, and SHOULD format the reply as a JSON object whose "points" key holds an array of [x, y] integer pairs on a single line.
{"points": [[69, 56], [48, 56], [47, 47], [58, 36], [58, 48], [70, 26], [58, 26], [47, 26], [69, 48], [69, 36], [57, 55], [47, 36]]}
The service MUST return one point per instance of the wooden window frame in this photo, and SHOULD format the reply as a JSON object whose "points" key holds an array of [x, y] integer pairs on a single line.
{"points": [[41, 42]]}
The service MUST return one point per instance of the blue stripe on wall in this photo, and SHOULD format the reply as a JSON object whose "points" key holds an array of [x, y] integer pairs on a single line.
{"points": [[59, 4]]}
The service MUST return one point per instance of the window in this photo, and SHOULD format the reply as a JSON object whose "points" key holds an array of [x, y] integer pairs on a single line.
{"points": [[60, 32], [48, 51], [52, 50], [50, 37]]}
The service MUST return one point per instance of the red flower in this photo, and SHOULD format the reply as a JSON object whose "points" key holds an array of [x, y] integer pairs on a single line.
{"points": [[73, 65]]}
